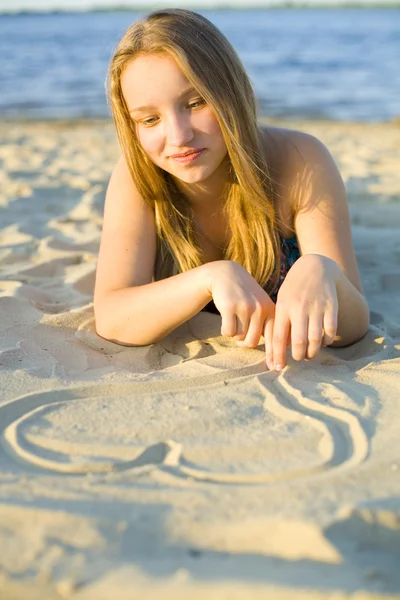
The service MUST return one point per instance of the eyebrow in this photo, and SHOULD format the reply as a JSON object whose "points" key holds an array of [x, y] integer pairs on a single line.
{"points": [[150, 107]]}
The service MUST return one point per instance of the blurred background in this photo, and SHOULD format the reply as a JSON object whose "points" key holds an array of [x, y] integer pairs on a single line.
{"points": [[316, 62]]}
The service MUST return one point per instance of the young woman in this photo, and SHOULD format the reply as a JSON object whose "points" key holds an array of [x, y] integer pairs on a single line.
{"points": [[206, 209]]}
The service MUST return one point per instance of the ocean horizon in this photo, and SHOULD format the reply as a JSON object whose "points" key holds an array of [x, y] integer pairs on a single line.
{"points": [[220, 6]]}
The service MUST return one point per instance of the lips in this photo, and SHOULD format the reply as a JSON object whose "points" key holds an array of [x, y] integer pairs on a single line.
{"points": [[188, 153]]}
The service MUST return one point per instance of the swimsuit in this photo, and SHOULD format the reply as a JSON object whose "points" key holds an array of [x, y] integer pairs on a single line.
{"points": [[290, 252]]}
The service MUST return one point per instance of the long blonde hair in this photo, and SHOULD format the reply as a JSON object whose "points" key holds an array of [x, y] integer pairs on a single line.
{"points": [[212, 66]]}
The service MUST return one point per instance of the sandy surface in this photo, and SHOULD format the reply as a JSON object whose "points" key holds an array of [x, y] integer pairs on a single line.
{"points": [[184, 469]]}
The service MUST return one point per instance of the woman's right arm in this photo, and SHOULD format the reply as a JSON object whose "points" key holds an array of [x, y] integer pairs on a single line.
{"points": [[131, 309]]}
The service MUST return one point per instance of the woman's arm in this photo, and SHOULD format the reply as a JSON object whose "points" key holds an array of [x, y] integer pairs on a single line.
{"points": [[129, 307], [322, 224], [315, 192], [144, 314]]}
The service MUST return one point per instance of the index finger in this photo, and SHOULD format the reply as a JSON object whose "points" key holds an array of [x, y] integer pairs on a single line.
{"points": [[280, 338], [268, 332]]}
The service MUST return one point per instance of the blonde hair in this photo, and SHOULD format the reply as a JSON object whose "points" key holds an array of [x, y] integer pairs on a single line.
{"points": [[212, 66]]}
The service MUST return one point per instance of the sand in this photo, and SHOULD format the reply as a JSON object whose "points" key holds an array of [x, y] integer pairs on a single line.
{"points": [[185, 469]]}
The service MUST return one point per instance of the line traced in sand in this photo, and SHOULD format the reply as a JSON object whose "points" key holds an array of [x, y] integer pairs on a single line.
{"points": [[343, 442]]}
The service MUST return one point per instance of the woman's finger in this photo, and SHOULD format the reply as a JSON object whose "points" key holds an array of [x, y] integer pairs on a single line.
{"points": [[330, 323], [254, 332], [315, 333], [280, 337], [268, 333], [228, 325], [242, 325], [299, 336]]}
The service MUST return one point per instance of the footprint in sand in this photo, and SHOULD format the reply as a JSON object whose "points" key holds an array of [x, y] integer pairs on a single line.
{"points": [[253, 431]]}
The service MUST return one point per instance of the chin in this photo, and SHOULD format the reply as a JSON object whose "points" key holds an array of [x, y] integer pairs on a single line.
{"points": [[190, 178], [193, 176]]}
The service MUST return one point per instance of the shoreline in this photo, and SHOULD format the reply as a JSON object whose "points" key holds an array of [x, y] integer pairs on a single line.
{"points": [[289, 5]]}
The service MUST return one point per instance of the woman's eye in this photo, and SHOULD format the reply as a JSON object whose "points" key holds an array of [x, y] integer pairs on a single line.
{"points": [[150, 121], [197, 103], [153, 120]]}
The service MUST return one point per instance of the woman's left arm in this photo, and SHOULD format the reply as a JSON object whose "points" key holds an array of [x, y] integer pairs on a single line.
{"points": [[321, 301]]}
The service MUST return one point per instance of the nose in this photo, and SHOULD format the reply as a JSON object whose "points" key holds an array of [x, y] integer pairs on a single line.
{"points": [[179, 130]]}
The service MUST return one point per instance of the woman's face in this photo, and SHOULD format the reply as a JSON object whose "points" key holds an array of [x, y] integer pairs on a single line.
{"points": [[172, 119]]}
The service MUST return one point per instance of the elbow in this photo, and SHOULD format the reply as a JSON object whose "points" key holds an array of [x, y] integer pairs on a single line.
{"points": [[111, 335], [103, 331], [105, 325], [111, 332], [106, 320], [102, 324], [114, 327]]}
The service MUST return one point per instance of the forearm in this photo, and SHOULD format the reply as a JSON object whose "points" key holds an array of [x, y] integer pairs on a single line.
{"points": [[144, 314], [353, 313]]}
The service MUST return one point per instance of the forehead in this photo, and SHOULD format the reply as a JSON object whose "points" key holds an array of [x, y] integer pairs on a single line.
{"points": [[150, 76]]}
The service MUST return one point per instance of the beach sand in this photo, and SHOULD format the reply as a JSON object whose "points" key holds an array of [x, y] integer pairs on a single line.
{"points": [[185, 469]]}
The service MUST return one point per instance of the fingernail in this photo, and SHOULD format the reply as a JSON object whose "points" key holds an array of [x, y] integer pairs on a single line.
{"points": [[278, 367]]}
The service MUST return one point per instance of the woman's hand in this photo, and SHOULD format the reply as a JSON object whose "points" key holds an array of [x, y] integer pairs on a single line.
{"points": [[244, 306], [306, 311]]}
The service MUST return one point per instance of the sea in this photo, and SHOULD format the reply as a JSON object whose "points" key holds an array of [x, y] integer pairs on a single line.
{"points": [[329, 63]]}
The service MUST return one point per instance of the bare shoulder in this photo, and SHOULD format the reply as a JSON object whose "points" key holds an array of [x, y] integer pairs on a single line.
{"points": [[294, 157], [289, 145], [313, 193], [282, 155], [128, 239]]}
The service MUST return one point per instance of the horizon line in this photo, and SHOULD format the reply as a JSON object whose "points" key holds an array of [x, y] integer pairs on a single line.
{"points": [[303, 4]]}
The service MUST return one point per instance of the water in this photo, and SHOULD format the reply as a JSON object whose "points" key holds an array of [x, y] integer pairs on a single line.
{"points": [[340, 64]]}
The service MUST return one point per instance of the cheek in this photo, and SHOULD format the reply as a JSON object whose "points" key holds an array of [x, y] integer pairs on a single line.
{"points": [[213, 128], [149, 141]]}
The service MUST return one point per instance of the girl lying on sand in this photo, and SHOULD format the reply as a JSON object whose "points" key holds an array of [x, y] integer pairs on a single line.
{"points": [[206, 209]]}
